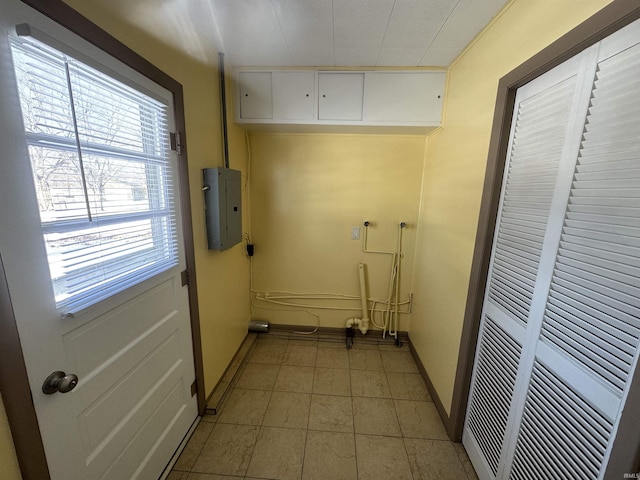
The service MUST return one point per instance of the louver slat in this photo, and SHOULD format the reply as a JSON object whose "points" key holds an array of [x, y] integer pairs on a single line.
{"points": [[561, 436], [496, 368], [535, 154], [593, 311]]}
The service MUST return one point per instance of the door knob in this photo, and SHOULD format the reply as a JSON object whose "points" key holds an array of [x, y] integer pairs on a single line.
{"points": [[59, 382]]}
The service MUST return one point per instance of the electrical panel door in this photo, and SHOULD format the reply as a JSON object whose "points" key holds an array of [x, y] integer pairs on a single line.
{"points": [[223, 207]]}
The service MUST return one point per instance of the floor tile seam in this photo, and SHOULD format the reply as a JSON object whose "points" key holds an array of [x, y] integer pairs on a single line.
{"points": [[292, 391], [177, 469], [435, 440], [355, 450], [222, 421], [414, 471], [254, 389], [463, 457], [410, 399], [308, 419], [344, 395], [253, 450], [201, 446], [264, 363], [395, 407], [350, 382], [242, 424], [235, 379], [245, 360], [368, 434], [282, 427], [372, 396], [413, 437], [407, 399], [262, 427], [441, 440], [311, 429], [413, 475], [330, 395], [395, 410], [304, 449], [398, 371], [333, 368]]}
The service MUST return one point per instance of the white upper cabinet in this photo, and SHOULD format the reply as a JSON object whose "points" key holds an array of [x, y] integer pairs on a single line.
{"points": [[294, 95], [399, 97], [340, 96], [255, 95], [312, 100]]}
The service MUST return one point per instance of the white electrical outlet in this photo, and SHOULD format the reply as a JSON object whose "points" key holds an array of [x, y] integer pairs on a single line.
{"points": [[355, 233]]}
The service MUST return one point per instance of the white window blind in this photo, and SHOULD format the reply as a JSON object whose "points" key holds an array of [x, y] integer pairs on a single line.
{"points": [[99, 153]]}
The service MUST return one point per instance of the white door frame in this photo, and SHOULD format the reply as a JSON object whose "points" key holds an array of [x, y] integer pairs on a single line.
{"points": [[608, 20], [14, 384]]}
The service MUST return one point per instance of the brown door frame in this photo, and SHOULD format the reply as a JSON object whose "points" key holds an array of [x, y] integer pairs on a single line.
{"points": [[611, 18], [14, 385]]}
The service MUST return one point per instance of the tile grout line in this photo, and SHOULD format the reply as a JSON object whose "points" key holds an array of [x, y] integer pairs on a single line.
{"points": [[306, 431], [353, 420], [253, 450]]}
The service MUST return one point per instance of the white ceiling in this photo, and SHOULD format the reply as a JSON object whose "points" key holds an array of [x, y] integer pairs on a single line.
{"points": [[313, 32]]}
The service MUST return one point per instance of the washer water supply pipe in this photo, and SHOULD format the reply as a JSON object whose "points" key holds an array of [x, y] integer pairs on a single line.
{"points": [[389, 308], [391, 312], [361, 323]]}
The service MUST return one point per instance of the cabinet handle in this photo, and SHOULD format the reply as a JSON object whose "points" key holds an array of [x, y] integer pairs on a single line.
{"points": [[324, 96], [307, 94], [246, 94]]}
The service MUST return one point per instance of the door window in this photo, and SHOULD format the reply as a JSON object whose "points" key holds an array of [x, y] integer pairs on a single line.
{"points": [[100, 158]]}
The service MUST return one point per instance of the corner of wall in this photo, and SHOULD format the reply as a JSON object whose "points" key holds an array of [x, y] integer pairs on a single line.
{"points": [[454, 168]]}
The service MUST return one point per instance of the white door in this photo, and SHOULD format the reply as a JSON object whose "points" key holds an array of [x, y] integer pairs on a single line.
{"points": [[560, 332], [132, 351]]}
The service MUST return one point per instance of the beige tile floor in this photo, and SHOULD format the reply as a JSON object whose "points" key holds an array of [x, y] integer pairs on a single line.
{"points": [[305, 408]]}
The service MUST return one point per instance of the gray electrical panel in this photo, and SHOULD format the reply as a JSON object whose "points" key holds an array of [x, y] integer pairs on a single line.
{"points": [[223, 207]]}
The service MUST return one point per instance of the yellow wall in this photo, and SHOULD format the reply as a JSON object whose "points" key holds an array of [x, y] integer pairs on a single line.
{"points": [[222, 277], [454, 173], [9, 469], [307, 192]]}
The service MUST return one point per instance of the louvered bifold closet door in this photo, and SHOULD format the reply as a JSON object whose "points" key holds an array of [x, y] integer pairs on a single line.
{"points": [[588, 344], [536, 145]]}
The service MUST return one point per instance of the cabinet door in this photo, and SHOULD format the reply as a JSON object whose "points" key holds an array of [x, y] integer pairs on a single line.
{"points": [[403, 97], [255, 95], [340, 96], [293, 95]]}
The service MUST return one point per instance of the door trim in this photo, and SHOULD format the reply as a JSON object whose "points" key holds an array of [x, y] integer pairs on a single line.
{"points": [[611, 18], [16, 393], [14, 386]]}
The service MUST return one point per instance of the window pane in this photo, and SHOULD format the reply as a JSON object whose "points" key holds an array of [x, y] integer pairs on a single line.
{"points": [[101, 257], [105, 195], [116, 186], [44, 92], [111, 114], [56, 174]]}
